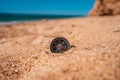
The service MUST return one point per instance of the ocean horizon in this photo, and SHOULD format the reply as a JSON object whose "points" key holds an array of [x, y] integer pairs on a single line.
{"points": [[8, 17]]}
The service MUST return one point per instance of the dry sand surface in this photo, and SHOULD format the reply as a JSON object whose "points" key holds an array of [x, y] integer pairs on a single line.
{"points": [[25, 53]]}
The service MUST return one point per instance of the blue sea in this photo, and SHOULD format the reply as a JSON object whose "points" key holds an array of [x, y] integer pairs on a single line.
{"points": [[6, 17]]}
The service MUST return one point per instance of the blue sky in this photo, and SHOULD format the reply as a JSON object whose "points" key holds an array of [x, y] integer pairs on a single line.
{"points": [[67, 7]]}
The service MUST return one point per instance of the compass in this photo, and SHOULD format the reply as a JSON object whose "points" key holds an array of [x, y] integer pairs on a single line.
{"points": [[59, 45]]}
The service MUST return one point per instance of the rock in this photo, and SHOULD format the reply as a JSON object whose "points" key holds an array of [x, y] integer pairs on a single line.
{"points": [[105, 7]]}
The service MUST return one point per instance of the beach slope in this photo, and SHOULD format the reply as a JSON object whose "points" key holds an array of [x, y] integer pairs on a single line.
{"points": [[95, 52]]}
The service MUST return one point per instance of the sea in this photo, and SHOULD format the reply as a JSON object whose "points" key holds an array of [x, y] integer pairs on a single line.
{"points": [[12, 18]]}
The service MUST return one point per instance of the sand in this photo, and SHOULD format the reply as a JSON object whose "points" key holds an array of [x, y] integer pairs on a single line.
{"points": [[25, 53]]}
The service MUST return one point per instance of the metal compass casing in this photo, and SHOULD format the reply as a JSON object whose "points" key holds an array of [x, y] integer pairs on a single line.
{"points": [[59, 45]]}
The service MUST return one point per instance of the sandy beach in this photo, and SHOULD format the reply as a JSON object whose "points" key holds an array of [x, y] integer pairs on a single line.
{"points": [[25, 52]]}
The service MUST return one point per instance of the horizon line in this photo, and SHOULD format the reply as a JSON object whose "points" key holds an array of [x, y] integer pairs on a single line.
{"points": [[21, 13]]}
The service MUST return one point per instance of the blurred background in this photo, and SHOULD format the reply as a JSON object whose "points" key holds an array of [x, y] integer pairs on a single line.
{"points": [[22, 10]]}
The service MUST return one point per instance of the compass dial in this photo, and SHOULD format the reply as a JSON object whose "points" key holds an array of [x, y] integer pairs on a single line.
{"points": [[59, 45]]}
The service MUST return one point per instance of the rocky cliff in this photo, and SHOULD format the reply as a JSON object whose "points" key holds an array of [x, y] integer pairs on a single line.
{"points": [[105, 7]]}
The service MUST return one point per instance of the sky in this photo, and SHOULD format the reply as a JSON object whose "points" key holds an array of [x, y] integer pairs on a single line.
{"points": [[64, 7]]}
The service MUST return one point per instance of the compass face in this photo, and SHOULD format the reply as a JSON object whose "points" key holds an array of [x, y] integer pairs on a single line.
{"points": [[59, 45]]}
